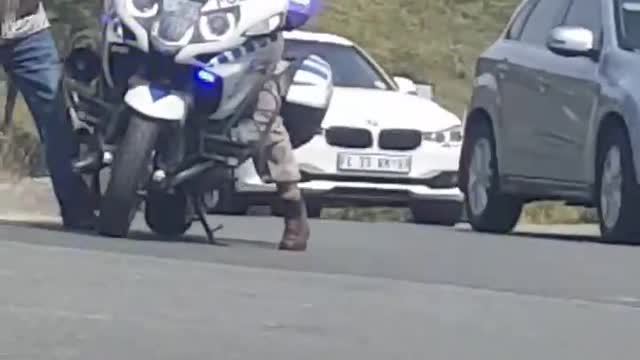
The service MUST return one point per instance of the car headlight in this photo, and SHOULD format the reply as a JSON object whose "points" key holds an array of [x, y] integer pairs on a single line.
{"points": [[452, 135], [267, 26], [216, 25], [143, 8]]}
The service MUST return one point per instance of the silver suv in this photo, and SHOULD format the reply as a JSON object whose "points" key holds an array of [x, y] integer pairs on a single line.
{"points": [[555, 115]]}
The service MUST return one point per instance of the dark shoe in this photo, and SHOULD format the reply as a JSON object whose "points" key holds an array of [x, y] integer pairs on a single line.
{"points": [[296, 226]]}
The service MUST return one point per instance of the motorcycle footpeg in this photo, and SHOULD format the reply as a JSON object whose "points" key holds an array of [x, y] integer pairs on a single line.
{"points": [[87, 164]]}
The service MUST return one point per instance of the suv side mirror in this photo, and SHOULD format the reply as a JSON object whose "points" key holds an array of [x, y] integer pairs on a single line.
{"points": [[405, 85], [571, 41]]}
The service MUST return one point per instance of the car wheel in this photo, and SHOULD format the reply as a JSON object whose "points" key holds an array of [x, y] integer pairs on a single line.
{"points": [[487, 208], [437, 213], [314, 208], [617, 194], [226, 201]]}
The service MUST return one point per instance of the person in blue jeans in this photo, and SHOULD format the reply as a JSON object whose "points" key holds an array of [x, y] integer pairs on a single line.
{"points": [[31, 60]]}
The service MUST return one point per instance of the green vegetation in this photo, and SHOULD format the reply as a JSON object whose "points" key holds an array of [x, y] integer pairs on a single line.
{"points": [[433, 40], [428, 40]]}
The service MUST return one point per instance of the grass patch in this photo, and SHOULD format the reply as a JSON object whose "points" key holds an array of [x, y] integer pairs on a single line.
{"points": [[373, 214], [434, 40], [557, 213], [540, 213], [20, 145]]}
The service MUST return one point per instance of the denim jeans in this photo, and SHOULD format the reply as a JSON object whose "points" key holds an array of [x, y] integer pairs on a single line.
{"points": [[34, 65]]}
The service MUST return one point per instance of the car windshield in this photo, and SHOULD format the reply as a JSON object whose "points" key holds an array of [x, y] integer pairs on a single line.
{"points": [[628, 18], [350, 67]]}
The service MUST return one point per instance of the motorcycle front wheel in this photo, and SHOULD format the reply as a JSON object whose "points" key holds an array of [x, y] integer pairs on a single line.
{"points": [[130, 171]]}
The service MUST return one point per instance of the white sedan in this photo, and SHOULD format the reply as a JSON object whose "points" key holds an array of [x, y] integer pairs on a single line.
{"points": [[380, 143]]}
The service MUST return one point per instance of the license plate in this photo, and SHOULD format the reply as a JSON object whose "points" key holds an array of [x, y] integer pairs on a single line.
{"points": [[374, 163]]}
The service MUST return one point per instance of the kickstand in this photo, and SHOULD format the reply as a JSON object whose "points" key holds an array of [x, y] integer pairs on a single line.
{"points": [[199, 206], [97, 189]]}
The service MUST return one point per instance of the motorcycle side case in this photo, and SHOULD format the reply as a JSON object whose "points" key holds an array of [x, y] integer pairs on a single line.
{"points": [[307, 98]]}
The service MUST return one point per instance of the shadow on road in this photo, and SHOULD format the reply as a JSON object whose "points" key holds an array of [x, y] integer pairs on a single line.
{"points": [[573, 238], [135, 234], [560, 236]]}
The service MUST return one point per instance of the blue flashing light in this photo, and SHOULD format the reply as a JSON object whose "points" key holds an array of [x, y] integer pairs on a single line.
{"points": [[206, 76]]}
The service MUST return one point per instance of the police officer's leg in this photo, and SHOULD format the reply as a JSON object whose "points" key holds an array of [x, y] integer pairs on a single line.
{"points": [[275, 162], [33, 63]]}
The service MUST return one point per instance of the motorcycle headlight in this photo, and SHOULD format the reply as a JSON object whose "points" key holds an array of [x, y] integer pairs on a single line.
{"points": [[450, 136], [216, 25], [143, 8], [267, 26]]}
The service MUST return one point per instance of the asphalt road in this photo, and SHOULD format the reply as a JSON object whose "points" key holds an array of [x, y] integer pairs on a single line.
{"points": [[362, 291]]}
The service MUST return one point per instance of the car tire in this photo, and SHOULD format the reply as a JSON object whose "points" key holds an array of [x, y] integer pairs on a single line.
{"points": [[617, 190], [442, 213], [130, 173], [314, 208], [487, 209]]}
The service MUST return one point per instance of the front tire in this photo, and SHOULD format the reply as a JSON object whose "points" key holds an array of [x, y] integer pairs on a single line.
{"points": [[617, 190], [487, 208], [129, 173]]}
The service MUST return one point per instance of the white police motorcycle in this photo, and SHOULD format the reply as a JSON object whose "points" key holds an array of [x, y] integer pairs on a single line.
{"points": [[164, 98]]}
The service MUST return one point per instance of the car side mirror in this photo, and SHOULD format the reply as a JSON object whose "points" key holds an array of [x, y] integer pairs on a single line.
{"points": [[405, 85], [426, 91], [571, 41]]}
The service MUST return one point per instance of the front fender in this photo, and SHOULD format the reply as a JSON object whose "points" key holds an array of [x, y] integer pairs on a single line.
{"points": [[485, 106], [157, 103], [629, 111], [620, 100]]}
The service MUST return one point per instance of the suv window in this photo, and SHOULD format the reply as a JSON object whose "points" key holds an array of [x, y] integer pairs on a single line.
{"points": [[586, 13], [628, 24], [545, 15], [518, 23]]}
